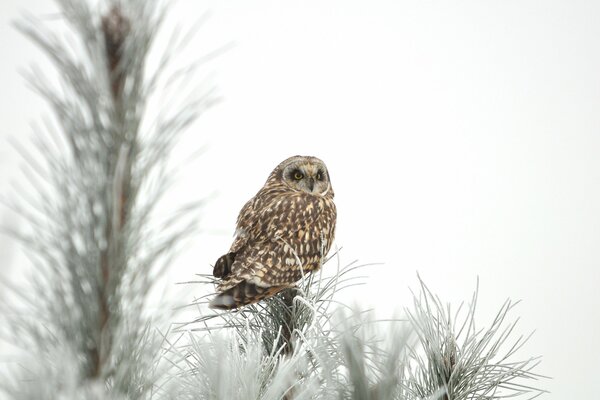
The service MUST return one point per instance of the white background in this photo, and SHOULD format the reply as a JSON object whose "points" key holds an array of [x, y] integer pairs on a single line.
{"points": [[462, 138]]}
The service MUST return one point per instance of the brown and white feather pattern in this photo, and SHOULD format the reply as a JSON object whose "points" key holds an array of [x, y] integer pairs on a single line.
{"points": [[282, 233]]}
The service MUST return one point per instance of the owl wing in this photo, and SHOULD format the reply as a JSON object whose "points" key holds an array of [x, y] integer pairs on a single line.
{"points": [[245, 220], [286, 237]]}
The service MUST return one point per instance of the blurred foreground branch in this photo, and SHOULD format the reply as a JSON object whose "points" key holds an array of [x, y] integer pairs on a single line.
{"points": [[96, 247]]}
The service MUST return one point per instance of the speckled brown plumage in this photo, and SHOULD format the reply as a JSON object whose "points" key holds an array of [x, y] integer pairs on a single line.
{"points": [[283, 232]]}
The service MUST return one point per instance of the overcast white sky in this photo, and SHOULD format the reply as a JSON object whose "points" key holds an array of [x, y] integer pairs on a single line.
{"points": [[462, 139]]}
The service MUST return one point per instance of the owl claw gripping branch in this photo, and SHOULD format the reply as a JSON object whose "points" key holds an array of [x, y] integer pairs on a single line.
{"points": [[283, 232]]}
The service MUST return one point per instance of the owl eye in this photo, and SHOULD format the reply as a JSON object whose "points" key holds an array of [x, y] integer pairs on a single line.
{"points": [[298, 175], [319, 176]]}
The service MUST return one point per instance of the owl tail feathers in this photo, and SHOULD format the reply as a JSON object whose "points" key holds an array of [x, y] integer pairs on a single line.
{"points": [[242, 294]]}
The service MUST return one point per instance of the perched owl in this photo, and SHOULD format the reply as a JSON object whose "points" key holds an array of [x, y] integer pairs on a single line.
{"points": [[283, 232]]}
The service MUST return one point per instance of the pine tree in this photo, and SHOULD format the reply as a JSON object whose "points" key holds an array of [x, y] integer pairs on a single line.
{"points": [[98, 252]]}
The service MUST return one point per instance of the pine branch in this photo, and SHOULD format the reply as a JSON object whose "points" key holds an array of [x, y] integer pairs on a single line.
{"points": [[96, 247], [431, 355], [281, 317], [456, 361]]}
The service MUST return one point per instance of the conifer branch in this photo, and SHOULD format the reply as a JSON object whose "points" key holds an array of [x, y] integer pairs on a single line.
{"points": [[97, 248]]}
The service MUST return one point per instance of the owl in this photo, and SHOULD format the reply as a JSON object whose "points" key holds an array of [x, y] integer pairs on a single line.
{"points": [[283, 233]]}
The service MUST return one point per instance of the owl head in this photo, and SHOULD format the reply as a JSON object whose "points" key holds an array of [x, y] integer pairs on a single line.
{"points": [[304, 173]]}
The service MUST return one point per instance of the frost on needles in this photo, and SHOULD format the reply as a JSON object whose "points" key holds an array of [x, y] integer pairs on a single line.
{"points": [[98, 169]]}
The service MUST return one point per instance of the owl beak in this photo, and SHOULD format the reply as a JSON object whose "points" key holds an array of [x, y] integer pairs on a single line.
{"points": [[311, 183]]}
